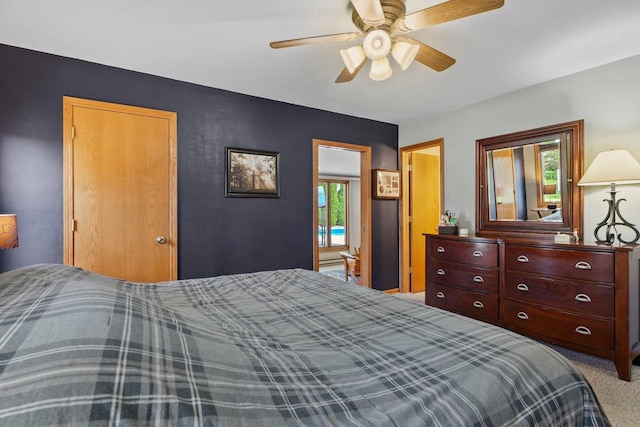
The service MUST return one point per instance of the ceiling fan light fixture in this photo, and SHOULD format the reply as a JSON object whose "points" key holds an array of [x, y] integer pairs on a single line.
{"points": [[404, 53], [380, 69], [377, 44], [353, 57]]}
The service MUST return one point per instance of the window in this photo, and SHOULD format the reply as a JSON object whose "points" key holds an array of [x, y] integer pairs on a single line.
{"points": [[548, 172], [332, 214]]}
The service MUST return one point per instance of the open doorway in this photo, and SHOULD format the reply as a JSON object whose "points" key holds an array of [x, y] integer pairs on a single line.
{"points": [[331, 231], [422, 201]]}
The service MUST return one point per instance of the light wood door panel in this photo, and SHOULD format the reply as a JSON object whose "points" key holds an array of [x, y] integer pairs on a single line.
{"points": [[503, 170], [122, 191], [424, 211]]}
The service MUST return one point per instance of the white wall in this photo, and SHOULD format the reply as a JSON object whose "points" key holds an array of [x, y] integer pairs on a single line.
{"points": [[607, 98], [354, 214]]}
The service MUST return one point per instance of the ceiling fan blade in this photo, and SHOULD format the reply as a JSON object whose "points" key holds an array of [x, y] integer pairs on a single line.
{"points": [[370, 11], [342, 37], [345, 76], [445, 12], [429, 56]]}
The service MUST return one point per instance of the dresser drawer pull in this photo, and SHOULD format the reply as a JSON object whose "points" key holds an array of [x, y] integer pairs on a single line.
{"points": [[478, 279], [522, 287], [440, 272], [440, 249], [583, 265], [440, 294], [478, 304], [583, 298], [478, 254], [583, 330], [523, 258], [522, 315]]}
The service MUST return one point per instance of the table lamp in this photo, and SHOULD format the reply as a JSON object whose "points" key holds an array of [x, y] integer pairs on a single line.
{"points": [[610, 168]]}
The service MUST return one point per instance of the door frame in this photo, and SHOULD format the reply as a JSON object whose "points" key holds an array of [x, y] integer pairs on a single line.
{"points": [[405, 235], [365, 205], [68, 179]]}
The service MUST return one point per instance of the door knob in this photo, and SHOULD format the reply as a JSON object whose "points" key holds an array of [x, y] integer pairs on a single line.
{"points": [[161, 240]]}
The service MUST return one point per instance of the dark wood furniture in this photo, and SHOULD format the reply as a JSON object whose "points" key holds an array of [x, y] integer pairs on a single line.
{"points": [[352, 266], [571, 165], [463, 276], [578, 295]]}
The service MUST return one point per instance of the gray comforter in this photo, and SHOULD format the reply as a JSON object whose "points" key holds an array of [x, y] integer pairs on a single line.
{"points": [[287, 347]]}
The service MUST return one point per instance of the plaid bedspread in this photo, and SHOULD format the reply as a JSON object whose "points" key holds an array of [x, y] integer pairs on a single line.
{"points": [[287, 347]]}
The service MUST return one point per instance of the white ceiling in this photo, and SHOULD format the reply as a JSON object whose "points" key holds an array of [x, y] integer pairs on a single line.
{"points": [[225, 44], [338, 162]]}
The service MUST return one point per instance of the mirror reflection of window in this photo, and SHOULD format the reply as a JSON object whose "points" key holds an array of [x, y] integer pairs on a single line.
{"points": [[548, 173]]}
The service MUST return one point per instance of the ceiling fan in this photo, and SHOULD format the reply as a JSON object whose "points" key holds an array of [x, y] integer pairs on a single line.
{"points": [[383, 24]]}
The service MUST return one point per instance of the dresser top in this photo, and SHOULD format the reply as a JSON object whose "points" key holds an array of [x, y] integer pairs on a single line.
{"points": [[581, 245]]}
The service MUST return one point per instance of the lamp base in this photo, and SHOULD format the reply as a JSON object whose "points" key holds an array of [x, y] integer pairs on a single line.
{"points": [[611, 223]]}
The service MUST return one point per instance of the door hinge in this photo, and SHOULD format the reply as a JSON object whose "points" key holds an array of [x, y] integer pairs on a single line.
{"points": [[410, 219], [74, 225], [409, 168], [73, 132], [410, 270]]}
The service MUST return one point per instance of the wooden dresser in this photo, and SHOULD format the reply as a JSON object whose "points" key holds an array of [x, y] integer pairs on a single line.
{"points": [[581, 296], [463, 276]]}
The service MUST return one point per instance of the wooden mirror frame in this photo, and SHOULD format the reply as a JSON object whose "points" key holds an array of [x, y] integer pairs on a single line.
{"points": [[572, 203]]}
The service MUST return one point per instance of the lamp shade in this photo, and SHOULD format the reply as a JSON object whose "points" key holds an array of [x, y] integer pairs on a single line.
{"points": [[380, 69], [353, 57], [8, 231], [612, 167], [404, 53], [377, 44]]}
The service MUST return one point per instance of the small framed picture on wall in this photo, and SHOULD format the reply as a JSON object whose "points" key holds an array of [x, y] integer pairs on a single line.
{"points": [[252, 173], [386, 184]]}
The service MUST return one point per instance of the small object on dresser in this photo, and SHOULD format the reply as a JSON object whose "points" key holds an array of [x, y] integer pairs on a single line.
{"points": [[562, 238], [452, 230], [463, 232]]}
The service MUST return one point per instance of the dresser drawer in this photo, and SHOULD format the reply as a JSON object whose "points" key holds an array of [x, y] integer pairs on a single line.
{"points": [[473, 304], [586, 331], [463, 276], [569, 264], [585, 298], [464, 251]]}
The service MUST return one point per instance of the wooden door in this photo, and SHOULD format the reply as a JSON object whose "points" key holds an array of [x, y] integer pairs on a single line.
{"points": [[120, 190], [424, 207], [504, 178]]}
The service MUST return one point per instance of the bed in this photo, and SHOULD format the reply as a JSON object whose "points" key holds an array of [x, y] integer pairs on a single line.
{"points": [[286, 347]]}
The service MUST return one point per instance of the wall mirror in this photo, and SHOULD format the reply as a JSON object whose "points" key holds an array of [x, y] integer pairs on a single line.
{"points": [[527, 182]]}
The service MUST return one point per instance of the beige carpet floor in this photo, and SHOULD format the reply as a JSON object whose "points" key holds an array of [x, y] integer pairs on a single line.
{"points": [[619, 399]]}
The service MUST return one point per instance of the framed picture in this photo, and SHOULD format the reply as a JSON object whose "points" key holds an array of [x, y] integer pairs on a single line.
{"points": [[252, 173], [386, 184]]}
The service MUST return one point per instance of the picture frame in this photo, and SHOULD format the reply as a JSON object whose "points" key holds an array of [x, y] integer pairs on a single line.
{"points": [[385, 184], [252, 173]]}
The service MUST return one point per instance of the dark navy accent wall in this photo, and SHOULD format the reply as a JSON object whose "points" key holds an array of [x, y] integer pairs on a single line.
{"points": [[217, 235]]}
